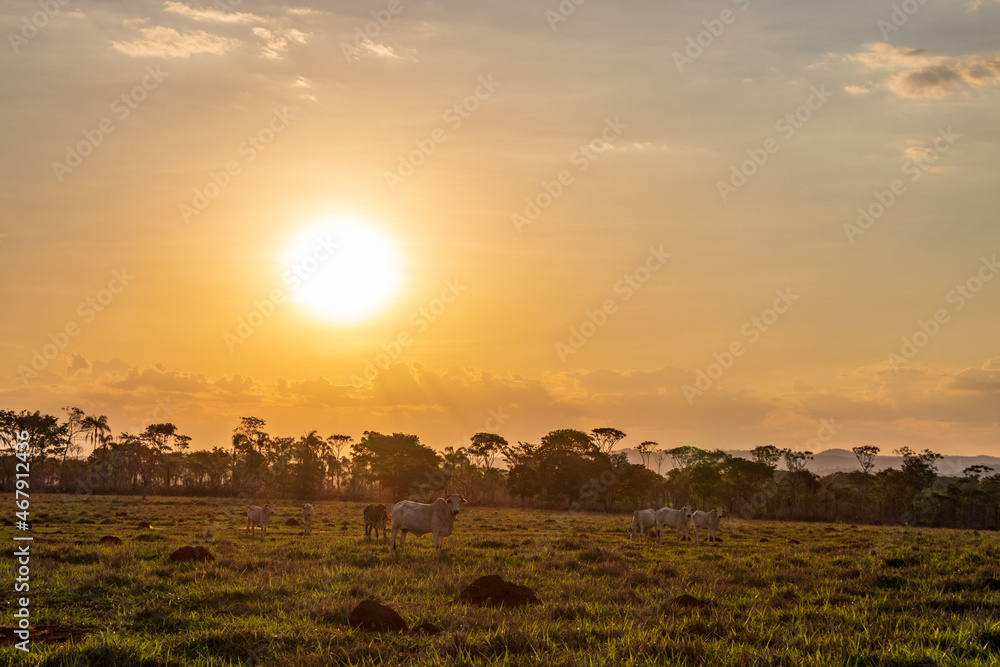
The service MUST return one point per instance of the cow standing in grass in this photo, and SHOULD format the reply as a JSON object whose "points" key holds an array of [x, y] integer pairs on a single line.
{"points": [[307, 518], [437, 518], [707, 520], [642, 521], [259, 516], [667, 517], [376, 517]]}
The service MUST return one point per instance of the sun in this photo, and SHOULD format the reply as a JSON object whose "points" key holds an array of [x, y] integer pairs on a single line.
{"points": [[342, 270]]}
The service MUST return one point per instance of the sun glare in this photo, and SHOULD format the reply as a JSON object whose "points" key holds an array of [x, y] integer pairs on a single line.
{"points": [[343, 270]]}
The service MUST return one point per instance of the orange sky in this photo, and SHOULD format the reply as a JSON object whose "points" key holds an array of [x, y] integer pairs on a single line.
{"points": [[642, 216]]}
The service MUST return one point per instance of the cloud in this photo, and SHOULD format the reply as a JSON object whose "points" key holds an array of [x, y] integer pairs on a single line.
{"points": [[276, 42], [367, 47], [77, 363], [921, 406], [209, 15], [273, 37], [918, 74], [162, 42]]}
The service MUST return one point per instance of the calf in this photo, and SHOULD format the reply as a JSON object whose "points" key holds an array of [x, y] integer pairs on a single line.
{"points": [[671, 518], [437, 518], [376, 517], [707, 520], [642, 521], [259, 516], [307, 518]]}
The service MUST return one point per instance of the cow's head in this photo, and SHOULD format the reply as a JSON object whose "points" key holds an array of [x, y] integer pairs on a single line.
{"points": [[688, 511], [721, 512], [455, 502]]}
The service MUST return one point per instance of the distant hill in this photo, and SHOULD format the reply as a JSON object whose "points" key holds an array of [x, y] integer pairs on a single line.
{"points": [[843, 460]]}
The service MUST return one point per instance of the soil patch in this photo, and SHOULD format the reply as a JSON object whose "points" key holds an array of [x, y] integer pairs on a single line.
{"points": [[427, 629], [493, 591], [110, 540], [185, 554], [688, 602], [371, 615]]}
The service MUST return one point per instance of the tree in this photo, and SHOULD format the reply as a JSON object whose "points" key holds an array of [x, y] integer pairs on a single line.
{"points": [[646, 450], [659, 456], [766, 454], [606, 438], [307, 469], [250, 441], [74, 427], [97, 431], [795, 462], [398, 462], [866, 459], [486, 447], [680, 457]]}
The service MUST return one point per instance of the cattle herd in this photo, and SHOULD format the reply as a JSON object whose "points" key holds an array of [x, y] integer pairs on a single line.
{"points": [[679, 520], [438, 519]]}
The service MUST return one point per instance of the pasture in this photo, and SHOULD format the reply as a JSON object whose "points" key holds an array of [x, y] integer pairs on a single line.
{"points": [[841, 595]]}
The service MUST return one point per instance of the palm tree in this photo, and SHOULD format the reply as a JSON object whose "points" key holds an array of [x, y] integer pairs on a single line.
{"points": [[97, 430]]}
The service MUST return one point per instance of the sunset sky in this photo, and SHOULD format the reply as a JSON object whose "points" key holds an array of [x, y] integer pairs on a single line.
{"points": [[698, 170]]}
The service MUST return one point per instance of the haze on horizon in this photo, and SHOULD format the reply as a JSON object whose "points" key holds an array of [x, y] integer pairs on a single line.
{"points": [[704, 224]]}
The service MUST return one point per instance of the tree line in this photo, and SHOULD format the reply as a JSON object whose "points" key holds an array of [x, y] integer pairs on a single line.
{"points": [[566, 469]]}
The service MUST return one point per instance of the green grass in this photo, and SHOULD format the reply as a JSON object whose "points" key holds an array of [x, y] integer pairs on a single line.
{"points": [[843, 596]]}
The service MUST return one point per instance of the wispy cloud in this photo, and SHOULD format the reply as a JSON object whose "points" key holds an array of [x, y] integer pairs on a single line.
{"points": [[162, 42], [210, 15]]}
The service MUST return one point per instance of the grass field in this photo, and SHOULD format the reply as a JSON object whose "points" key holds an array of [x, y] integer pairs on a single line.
{"points": [[841, 596]]}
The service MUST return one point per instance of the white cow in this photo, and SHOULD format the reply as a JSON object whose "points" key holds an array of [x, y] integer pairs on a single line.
{"points": [[437, 518], [707, 520], [667, 517], [259, 516], [642, 521], [307, 518]]}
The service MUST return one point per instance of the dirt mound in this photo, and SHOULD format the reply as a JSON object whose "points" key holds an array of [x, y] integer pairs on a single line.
{"points": [[110, 540], [992, 584], [144, 524], [794, 541], [763, 539], [688, 602], [427, 629], [493, 591], [291, 521], [190, 553], [125, 514], [370, 615]]}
